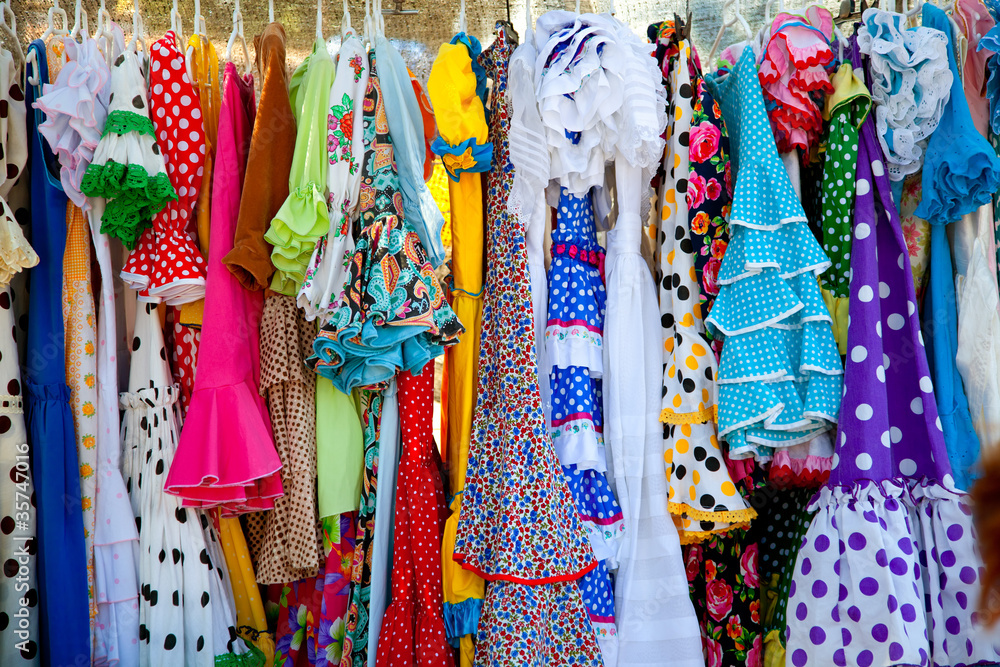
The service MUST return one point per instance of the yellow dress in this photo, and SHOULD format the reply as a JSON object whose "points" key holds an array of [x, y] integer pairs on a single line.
{"points": [[250, 620], [460, 116], [205, 70]]}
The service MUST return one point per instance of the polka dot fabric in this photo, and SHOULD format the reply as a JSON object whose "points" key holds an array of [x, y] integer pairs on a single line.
{"points": [[780, 374], [891, 492], [17, 522], [413, 627], [574, 345], [166, 264], [701, 493]]}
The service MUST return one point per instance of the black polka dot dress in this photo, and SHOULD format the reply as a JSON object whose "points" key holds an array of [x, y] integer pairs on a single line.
{"points": [[186, 609]]}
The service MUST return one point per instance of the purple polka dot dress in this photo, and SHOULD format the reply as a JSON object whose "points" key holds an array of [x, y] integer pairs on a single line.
{"points": [[888, 573]]}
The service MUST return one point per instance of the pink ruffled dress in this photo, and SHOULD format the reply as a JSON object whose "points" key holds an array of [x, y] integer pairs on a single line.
{"points": [[226, 455]]}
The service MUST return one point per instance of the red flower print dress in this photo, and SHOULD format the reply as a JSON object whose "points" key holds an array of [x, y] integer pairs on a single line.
{"points": [[519, 527]]}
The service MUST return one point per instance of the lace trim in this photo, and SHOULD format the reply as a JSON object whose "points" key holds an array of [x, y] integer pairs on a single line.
{"points": [[123, 122], [252, 658], [11, 405], [668, 416], [732, 517], [134, 197]]}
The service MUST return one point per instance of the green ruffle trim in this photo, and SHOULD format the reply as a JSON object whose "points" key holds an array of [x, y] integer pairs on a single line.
{"points": [[134, 197], [254, 658], [123, 122]]}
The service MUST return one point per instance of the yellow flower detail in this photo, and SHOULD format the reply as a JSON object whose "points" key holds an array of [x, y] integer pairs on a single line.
{"points": [[89, 380], [88, 409], [86, 471], [89, 348], [86, 503], [89, 441], [455, 162]]}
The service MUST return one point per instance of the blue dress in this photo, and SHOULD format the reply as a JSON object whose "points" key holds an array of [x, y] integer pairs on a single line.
{"points": [[62, 559], [574, 345], [940, 315], [780, 375]]}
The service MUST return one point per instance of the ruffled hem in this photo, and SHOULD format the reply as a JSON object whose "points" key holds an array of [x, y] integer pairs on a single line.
{"points": [[924, 547], [368, 355], [788, 472], [16, 254], [462, 619], [134, 197], [300, 222], [704, 416], [575, 344], [580, 442], [222, 460], [789, 249]]}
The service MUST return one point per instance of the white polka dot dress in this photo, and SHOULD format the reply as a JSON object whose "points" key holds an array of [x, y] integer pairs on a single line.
{"points": [[701, 492]]}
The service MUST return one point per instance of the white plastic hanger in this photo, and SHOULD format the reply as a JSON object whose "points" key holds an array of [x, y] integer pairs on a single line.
{"points": [[177, 25], [462, 27], [237, 34], [270, 11], [80, 22], [345, 22], [319, 21], [737, 19], [51, 30], [104, 35], [11, 31], [137, 28], [198, 30]]}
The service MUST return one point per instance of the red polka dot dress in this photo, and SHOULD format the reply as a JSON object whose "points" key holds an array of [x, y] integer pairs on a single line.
{"points": [[166, 265], [413, 627]]}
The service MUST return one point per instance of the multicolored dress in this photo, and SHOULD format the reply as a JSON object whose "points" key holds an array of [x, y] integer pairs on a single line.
{"points": [[519, 527], [701, 492], [574, 345], [394, 316]]}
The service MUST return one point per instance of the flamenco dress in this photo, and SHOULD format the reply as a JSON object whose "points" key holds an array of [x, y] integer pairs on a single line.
{"points": [[780, 374], [394, 316], [519, 528], [16, 483], [965, 188], [700, 490], [453, 88], [221, 460], [62, 563], [891, 490]]}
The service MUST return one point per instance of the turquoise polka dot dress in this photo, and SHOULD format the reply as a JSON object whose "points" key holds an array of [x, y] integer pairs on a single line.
{"points": [[780, 374]]}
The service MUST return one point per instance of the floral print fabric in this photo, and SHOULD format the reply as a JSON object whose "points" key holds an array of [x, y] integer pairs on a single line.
{"points": [[394, 315], [724, 582], [518, 527], [80, 322], [311, 620]]}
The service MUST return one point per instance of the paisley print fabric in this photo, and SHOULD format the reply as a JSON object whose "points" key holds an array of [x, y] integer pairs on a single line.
{"points": [[394, 315], [355, 651]]}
